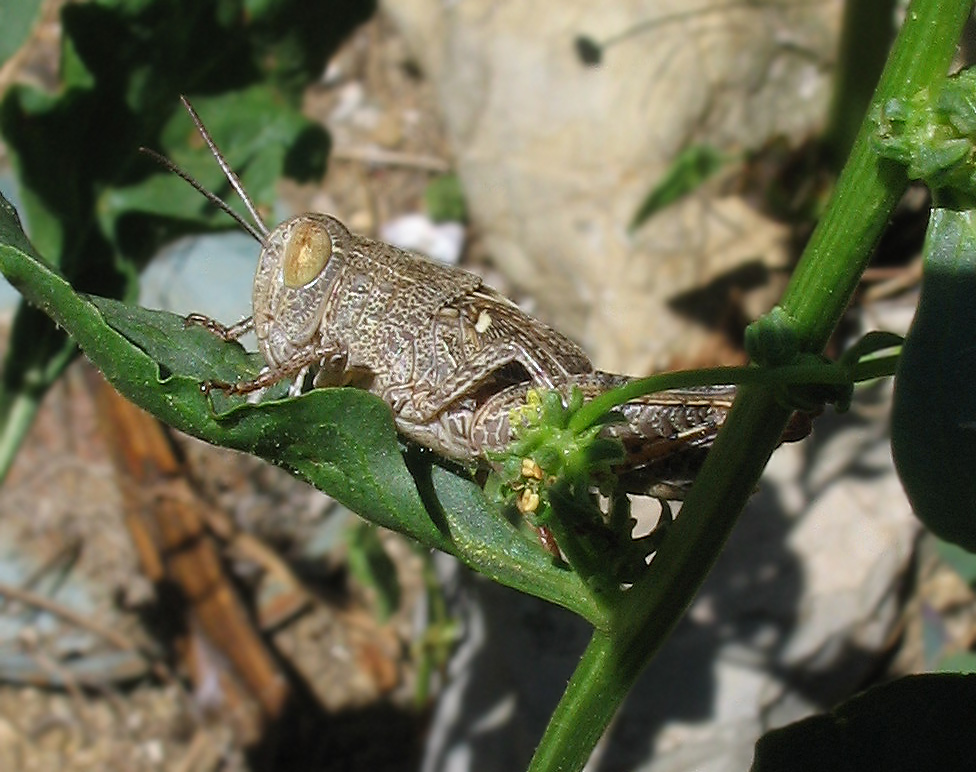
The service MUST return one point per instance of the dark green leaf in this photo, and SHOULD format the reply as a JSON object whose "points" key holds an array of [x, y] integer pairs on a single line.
{"points": [[506, 553], [917, 722], [933, 419], [96, 208], [261, 138], [177, 348]]}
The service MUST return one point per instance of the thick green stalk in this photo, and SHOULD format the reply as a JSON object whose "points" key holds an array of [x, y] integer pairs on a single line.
{"points": [[865, 40], [869, 187], [820, 290], [649, 611]]}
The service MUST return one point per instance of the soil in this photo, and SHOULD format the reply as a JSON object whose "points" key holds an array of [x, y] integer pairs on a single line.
{"points": [[352, 677]]}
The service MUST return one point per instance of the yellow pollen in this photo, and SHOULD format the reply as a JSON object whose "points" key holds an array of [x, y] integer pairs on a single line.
{"points": [[528, 501], [531, 469]]}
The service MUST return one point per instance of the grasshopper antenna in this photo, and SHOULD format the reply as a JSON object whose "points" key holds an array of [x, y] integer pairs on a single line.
{"points": [[213, 199], [229, 173], [260, 232]]}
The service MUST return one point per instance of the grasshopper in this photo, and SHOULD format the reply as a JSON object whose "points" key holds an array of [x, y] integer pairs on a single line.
{"points": [[449, 355]]}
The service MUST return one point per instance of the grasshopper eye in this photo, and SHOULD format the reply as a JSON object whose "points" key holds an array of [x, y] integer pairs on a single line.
{"points": [[308, 250]]}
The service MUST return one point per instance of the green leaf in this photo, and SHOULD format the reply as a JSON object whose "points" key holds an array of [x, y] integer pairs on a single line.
{"points": [[342, 441], [373, 568], [933, 418], [962, 561], [960, 662], [261, 137], [687, 173], [201, 355], [444, 198], [16, 22], [503, 552]]}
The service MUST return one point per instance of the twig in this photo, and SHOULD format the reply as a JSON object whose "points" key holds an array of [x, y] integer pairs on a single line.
{"points": [[380, 157], [70, 683], [73, 617], [62, 559], [200, 754]]}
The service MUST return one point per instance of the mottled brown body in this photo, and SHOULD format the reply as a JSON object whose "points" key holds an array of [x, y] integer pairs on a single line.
{"points": [[425, 337], [450, 356]]}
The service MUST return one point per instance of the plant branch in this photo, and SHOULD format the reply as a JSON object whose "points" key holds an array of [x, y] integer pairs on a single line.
{"points": [[818, 294]]}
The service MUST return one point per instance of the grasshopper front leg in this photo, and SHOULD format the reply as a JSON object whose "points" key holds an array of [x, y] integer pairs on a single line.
{"points": [[328, 357], [233, 332]]}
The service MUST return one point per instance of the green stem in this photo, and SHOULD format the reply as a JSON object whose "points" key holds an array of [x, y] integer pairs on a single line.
{"points": [[805, 374], [820, 290], [598, 407], [869, 187], [645, 615], [599, 684], [26, 379], [866, 34], [878, 367], [18, 417]]}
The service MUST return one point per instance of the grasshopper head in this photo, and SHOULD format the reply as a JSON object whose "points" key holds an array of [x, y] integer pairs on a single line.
{"points": [[299, 264], [300, 261]]}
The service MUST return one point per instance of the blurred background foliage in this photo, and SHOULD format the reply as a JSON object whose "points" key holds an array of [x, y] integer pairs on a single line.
{"points": [[98, 209]]}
